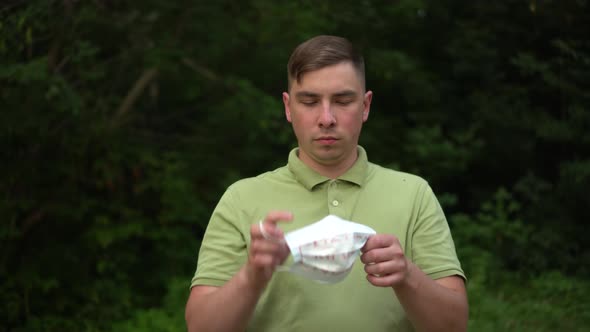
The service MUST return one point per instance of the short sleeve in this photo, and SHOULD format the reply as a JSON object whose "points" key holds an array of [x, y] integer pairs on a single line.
{"points": [[224, 247], [433, 249]]}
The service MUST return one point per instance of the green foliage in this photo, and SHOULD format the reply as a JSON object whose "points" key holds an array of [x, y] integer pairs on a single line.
{"points": [[121, 125], [166, 318], [493, 240], [548, 302]]}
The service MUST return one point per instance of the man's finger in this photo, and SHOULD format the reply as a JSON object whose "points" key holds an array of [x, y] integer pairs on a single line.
{"points": [[268, 227], [379, 241], [265, 247], [380, 255], [273, 217], [385, 281], [385, 268]]}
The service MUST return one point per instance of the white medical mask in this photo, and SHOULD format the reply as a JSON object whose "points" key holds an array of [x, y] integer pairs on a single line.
{"points": [[326, 250]]}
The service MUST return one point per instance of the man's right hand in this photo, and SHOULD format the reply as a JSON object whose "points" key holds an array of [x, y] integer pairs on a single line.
{"points": [[268, 248], [229, 307]]}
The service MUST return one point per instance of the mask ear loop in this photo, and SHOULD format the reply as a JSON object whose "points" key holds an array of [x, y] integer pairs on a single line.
{"points": [[282, 268], [263, 232], [266, 236]]}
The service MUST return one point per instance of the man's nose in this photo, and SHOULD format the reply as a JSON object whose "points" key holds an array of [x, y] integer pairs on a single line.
{"points": [[327, 118]]}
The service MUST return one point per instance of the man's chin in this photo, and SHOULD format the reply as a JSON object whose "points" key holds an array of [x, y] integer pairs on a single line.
{"points": [[328, 156]]}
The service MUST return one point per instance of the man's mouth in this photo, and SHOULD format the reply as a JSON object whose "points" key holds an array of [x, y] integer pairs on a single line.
{"points": [[326, 140]]}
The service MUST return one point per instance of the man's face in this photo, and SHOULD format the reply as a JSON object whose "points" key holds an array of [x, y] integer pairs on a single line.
{"points": [[327, 109]]}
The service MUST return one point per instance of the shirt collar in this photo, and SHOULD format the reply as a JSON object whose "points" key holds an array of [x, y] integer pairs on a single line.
{"points": [[310, 178]]}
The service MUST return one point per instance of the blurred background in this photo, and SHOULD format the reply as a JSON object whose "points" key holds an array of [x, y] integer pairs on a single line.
{"points": [[122, 123]]}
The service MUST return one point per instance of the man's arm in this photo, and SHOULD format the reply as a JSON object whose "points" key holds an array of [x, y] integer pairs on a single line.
{"points": [[226, 308], [434, 305], [431, 305], [229, 307]]}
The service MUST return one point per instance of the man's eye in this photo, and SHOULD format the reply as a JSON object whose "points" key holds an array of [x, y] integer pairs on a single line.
{"points": [[343, 102], [309, 102]]}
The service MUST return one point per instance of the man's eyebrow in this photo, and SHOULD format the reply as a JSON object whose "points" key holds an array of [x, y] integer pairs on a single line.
{"points": [[304, 94], [345, 93]]}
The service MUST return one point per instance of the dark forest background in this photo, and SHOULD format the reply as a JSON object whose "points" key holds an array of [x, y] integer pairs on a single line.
{"points": [[122, 123]]}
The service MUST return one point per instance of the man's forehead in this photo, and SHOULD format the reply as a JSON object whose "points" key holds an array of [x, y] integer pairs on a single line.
{"points": [[340, 76]]}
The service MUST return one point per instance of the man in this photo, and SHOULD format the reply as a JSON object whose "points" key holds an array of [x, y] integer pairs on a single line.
{"points": [[408, 277]]}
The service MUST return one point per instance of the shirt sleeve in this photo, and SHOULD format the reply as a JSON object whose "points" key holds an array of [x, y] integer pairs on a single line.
{"points": [[224, 247], [433, 249]]}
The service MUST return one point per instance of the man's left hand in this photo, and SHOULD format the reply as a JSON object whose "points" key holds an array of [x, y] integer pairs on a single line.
{"points": [[385, 262]]}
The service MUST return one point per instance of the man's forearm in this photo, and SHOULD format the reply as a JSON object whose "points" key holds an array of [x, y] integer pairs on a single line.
{"points": [[227, 308], [432, 306]]}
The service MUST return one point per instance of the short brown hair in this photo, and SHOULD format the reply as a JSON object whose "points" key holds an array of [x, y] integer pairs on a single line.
{"points": [[323, 51]]}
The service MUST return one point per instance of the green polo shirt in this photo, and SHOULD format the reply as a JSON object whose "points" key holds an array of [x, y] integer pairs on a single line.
{"points": [[390, 202]]}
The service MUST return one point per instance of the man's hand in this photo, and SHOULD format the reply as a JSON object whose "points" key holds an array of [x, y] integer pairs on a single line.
{"points": [[230, 307], [268, 248], [385, 262], [431, 305]]}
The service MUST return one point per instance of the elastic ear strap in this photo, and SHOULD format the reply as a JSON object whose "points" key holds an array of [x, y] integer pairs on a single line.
{"points": [[263, 232], [282, 268], [267, 236]]}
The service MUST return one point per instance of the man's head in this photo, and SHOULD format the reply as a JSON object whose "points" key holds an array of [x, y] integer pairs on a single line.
{"points": [[323, 51], [327, 103]]}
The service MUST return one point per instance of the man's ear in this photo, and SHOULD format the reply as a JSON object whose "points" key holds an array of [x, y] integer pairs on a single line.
{"points": [[367, 104], [286, 103]]}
